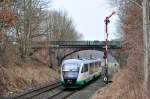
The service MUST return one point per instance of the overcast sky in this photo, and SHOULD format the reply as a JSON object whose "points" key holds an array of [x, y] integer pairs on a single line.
{"points": [[88, 17]]}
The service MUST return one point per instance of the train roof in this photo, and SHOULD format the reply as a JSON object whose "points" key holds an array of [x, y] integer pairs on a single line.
{"points": [[80, 61]]}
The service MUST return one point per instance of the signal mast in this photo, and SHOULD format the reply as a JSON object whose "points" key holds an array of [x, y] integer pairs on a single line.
{"points": [[107, 21]]}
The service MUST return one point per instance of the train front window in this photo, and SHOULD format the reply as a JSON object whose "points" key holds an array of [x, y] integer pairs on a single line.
{"points": [[70, 70], [70, 74], [70, 67]]}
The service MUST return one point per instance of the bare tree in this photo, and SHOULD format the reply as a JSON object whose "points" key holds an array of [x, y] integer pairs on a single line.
{"points": [[60, 27], [135, 25], [34, 20], [8, 19], [30, 13]]}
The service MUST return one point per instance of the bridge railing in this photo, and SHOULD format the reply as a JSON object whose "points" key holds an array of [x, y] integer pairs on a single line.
{"points": [[84, 42], [101, 44], [75, 43]]}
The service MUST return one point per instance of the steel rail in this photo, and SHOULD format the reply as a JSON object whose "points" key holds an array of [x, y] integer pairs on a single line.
{"points": [[60, 93], [38, 91], [70, 94]]}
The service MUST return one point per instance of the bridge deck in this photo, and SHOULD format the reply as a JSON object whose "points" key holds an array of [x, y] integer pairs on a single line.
{"points": [[78, 44]]}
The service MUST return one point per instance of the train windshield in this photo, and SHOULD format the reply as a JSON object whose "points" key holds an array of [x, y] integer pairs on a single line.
{"points": [[70, 67]]}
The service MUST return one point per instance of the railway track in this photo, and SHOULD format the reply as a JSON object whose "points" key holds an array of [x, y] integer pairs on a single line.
{"points": [[69, 94], [63, 94], [37, 92], [51, 91], [59, 94]]}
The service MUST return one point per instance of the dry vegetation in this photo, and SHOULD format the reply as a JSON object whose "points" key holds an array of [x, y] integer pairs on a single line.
{"points": [[17, 75], [128, 83], [124, 86], [23, 22]]}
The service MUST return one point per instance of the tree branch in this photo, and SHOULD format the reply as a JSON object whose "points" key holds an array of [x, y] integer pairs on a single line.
{"points": [[133, 1]]}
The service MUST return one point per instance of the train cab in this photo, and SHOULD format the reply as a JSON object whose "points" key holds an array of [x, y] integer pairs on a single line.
{"points": [[70, 73]]}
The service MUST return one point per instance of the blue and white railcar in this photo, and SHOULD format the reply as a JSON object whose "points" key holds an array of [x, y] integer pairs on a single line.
{"points": [[77, 72]]}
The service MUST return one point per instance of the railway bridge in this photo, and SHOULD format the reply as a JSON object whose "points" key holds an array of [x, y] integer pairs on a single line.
{"points": [[70, 47]]}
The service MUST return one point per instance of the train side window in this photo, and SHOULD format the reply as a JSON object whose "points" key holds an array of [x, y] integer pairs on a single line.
{"points": [[82, 71], [96, 63], [91, 70], [99, 64], [84, 68]]}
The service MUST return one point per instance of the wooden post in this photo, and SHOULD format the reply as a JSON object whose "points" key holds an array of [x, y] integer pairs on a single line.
{"points": [[145, 38]]}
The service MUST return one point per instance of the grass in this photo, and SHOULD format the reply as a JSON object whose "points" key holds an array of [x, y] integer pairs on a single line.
{"points": [[17, 75], [125, 86]]}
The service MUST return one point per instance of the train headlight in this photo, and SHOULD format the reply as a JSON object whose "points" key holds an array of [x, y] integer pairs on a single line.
{"points": [[105, 79]]}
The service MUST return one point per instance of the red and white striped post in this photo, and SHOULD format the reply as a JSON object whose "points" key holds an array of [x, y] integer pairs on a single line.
{"points": [[106, 47]]}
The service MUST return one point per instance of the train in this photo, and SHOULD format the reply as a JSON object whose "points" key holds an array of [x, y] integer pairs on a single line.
{"points": [[78, 72]]}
